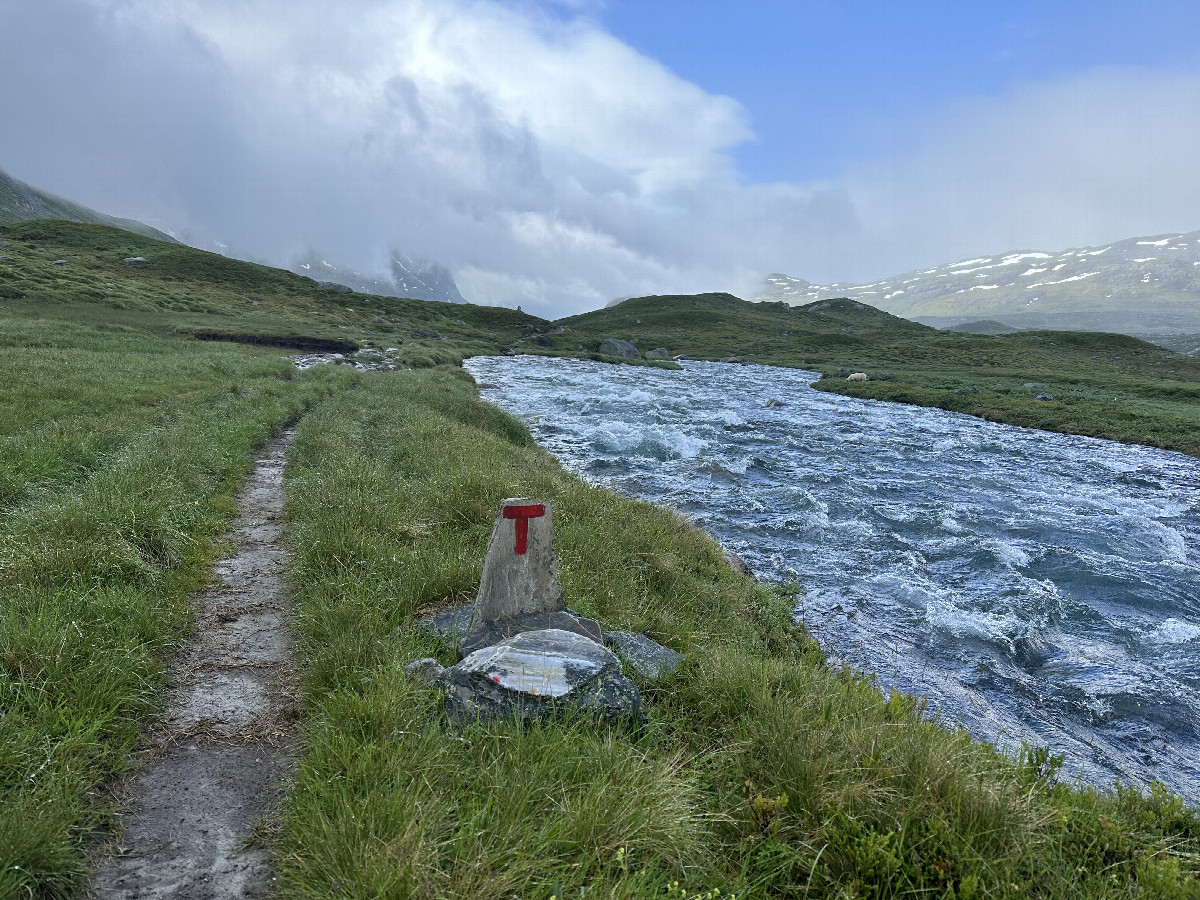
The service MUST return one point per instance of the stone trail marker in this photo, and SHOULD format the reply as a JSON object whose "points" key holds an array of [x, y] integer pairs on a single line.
{"points": [[519, 590], [518, 570]]}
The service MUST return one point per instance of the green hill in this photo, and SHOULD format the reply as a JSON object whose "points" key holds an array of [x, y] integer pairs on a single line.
{"points": [[77, 272], [20, 202], [718, 326]]}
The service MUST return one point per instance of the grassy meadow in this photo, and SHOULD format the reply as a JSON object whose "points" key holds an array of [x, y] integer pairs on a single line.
{"points": [[760, 772], [118, 456]]}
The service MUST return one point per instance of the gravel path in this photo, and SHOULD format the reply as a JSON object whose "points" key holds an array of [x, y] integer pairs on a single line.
{"points": [[217, 764]]}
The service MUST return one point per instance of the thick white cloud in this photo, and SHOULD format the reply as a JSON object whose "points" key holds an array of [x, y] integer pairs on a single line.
{"points": [[544, 161]]}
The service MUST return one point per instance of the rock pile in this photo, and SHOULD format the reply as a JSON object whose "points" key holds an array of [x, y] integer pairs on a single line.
{"points": [[522, 653]]}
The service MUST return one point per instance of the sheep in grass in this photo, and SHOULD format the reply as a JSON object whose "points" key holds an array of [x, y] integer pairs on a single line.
{"points": [[857, 376]]}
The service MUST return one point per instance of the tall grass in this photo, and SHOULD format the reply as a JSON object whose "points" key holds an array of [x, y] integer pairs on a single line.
{"points": [[120, 455], [761, 770]]}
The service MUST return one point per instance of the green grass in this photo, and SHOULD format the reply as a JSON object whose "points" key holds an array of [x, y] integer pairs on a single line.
{"points": [[118, 455], [761, 771]]}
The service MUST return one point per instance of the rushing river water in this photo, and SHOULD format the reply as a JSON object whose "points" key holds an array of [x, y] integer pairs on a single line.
{"points": [[1035, 587]]}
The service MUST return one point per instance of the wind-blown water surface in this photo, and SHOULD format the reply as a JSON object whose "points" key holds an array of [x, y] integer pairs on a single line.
{"points": [[1035, 587]]}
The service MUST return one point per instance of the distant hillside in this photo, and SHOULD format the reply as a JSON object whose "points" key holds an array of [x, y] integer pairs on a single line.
{"points": [[20, 202], [1146, 285], [78, 273], [983, 326], [720, 326]]}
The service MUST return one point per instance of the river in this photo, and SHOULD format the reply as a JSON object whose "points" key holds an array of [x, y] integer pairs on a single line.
{"points": [[1034, 587]]}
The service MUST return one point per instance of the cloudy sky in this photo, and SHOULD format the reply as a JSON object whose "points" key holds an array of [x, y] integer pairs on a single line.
{"points": [[558, 154]]}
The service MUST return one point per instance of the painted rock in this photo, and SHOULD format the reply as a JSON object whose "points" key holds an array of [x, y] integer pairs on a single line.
{"points": [[538, 674], [518, 569]]}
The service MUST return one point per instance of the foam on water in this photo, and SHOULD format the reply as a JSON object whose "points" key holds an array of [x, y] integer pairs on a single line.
{"points": [[1034, 586]]}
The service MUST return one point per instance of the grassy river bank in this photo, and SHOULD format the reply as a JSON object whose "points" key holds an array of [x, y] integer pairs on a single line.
{"points": [[762, 771]]}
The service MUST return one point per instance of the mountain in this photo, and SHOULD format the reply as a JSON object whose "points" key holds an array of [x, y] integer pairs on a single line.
{"points": [[419, 279], [20, 202], [1143, 285], [424, 279]]}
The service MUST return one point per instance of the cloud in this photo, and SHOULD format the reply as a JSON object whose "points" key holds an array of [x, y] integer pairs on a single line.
{"points": [[541, 159], [1102, 155]]}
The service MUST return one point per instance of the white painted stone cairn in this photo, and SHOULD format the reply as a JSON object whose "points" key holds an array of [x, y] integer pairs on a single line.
{"points": [[522, 652]]}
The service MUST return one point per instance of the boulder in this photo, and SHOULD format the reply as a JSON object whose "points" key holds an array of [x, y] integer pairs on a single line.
{"points": [[136, 261], [59, 262], [450, 623], [617, 347], [658, 353], [738, 564], [368, 353], [1044, 396], [538, 674], [648, 659], [454, 624], [493, 631], [773, 403], [335, 287]]}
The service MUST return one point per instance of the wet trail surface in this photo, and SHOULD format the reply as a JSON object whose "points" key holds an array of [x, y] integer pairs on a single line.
{"points": [[216, 765], [1033, 586]]}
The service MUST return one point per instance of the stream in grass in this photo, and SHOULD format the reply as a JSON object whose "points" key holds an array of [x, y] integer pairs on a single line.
{"points": [[1033, 586]]}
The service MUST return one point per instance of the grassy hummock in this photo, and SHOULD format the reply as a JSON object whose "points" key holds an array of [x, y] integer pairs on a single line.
{"points": [[761, 772]]}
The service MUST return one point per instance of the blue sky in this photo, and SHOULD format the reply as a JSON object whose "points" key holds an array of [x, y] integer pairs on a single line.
{"points": [[560, 153], [828, 83]]}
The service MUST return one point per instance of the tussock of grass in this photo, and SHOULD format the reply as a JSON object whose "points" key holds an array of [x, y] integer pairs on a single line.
{"points": [[119, 456], [760, 771]]}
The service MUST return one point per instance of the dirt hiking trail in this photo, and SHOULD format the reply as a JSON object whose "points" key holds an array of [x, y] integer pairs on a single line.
{"points": [[218, 761]]}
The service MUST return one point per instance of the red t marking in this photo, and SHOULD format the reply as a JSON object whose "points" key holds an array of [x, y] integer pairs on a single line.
{"points": [[523, 514]]}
